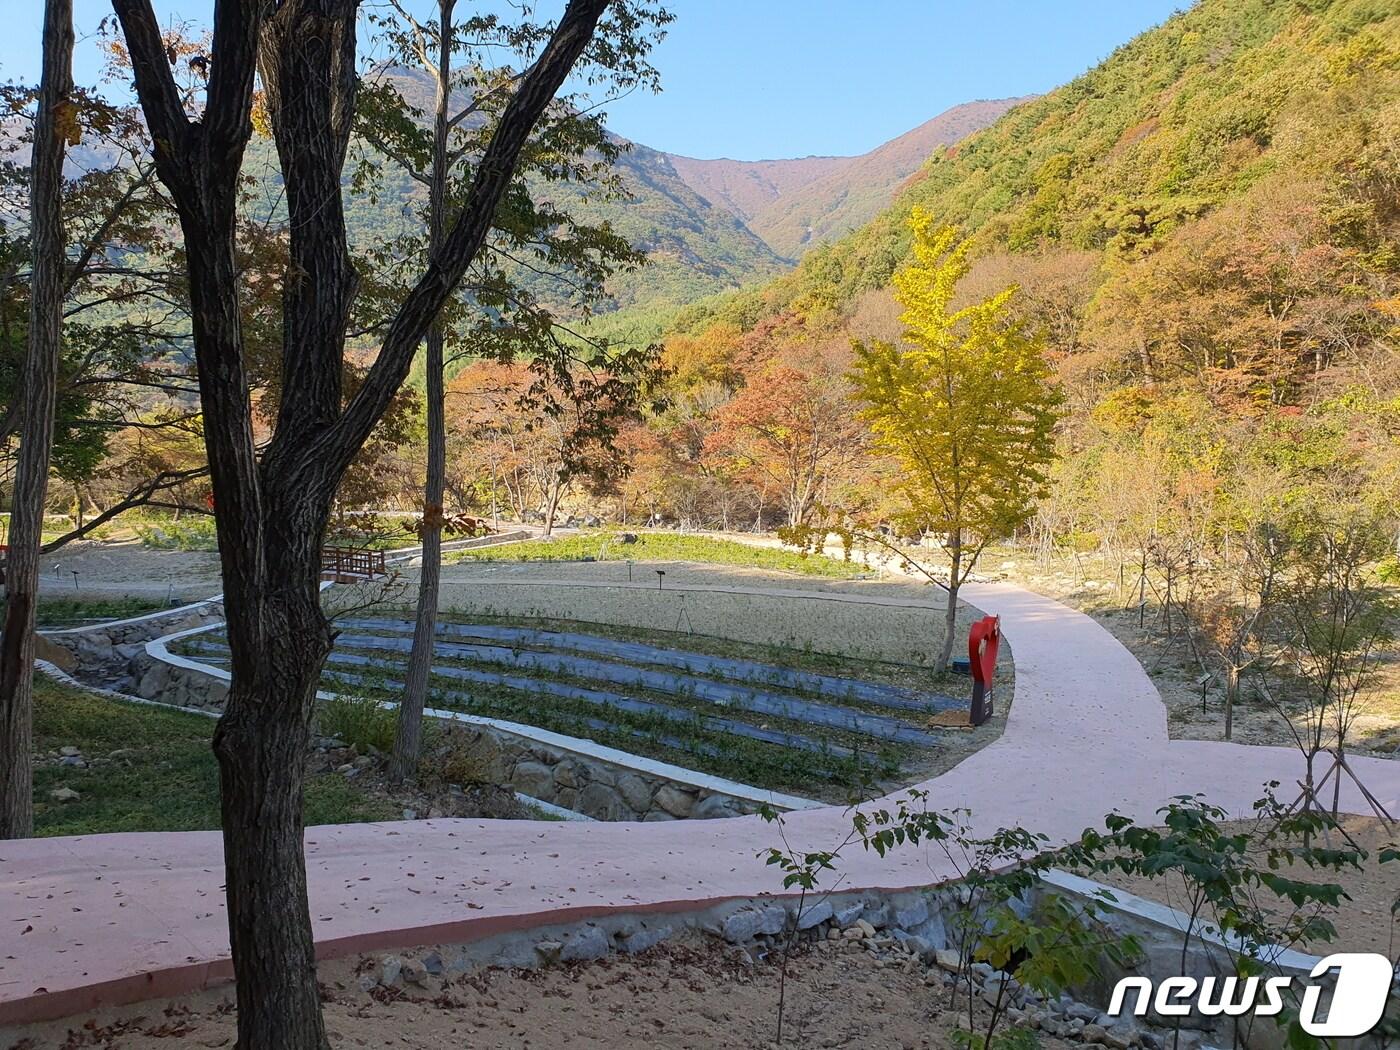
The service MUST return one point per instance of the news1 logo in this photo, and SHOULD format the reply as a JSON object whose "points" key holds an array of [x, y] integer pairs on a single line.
{"points": [[1363, 985]]}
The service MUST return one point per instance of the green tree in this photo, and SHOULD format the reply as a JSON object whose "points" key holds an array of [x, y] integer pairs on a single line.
{"points": [[965, 406]]}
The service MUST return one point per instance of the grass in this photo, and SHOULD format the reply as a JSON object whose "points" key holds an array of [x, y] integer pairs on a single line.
{"points": [[171, 784], [606, 545], [60, 611], [66, 612]]}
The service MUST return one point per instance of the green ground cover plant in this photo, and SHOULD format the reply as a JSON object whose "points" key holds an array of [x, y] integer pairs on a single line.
{"points": [[607, 545], [164, 777]]}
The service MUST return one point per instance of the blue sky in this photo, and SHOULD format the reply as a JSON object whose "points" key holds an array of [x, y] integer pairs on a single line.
{"points": [[753, 79]]}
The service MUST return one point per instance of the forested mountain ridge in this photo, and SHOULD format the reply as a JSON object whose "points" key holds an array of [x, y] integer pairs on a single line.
{"points": [[795, 204], [1205, 230], [1205, 118]]}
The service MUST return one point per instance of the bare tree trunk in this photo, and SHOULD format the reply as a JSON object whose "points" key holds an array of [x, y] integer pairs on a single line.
{"points": [[39, 391], [556, 488], [950, 614], [1232, 692], [409, 738]]}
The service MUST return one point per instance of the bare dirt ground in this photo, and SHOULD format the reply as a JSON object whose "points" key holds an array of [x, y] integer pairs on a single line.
{"points": [[1364, 922], [1091, 586], [116, 568], [691, 995]]}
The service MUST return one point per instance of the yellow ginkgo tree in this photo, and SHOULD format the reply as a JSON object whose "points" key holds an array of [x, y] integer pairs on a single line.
{"points": [[965, 405]]}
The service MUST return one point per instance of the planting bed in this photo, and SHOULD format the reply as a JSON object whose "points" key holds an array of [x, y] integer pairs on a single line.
{"points": [[771, 725]]}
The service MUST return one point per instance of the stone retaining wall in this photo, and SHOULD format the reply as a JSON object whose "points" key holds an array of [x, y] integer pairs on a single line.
{"points": [[601, 790], [539, 768]]}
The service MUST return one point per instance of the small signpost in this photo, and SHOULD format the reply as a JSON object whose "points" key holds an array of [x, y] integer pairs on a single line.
{"points": [[983, 641]]}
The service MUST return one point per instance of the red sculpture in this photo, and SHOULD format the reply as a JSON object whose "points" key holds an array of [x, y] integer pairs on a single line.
{"points": [[983, 641]]}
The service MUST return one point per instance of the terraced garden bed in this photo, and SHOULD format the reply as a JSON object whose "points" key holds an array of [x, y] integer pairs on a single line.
{"points": [[789, 721]]}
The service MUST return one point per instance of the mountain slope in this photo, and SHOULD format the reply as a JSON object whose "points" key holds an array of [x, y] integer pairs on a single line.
{"points": [[1233, 104], [794, 204]]}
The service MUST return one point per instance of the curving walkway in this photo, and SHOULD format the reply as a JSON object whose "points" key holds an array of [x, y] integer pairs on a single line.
{"points": [[115, 918]]}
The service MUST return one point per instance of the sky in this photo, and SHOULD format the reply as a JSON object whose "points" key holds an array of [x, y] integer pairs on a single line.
{"points": [[762, 79]]}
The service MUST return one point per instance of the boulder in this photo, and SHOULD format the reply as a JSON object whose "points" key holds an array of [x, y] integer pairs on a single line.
{"points": [[717, 806], [674, 800], [534, 779]]}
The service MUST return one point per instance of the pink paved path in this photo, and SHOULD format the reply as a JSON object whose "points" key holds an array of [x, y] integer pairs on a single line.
{"points": [[113, 918]]}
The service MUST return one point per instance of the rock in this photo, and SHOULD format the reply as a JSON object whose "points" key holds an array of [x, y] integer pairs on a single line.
{"points": [[70, 751], [911, 914], [947, 959], [1082, 1012], [1095, 1033], [549, 950], [814, 915], [568, 774], [1120, 1037], [865, 928], [436, 813], [602, 803], [588, 944], [122, 753], [347, 768], [534, 779], [414, 972], [747, 923], [716, 807], [641, 939], [390, 967], [635, 791], [853, 934], [914, 943], [674, 801], [849, 913], [627, 537], [433, 964], [363, 762], [410, 814], [64, 794], [878, 915], [73, 761]]}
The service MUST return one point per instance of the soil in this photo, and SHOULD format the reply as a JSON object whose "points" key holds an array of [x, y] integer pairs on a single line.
{"points": [[1364, 922], [1091, 585], [689, 994], [111, 568]]}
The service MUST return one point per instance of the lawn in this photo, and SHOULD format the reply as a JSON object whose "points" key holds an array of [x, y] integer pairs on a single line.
{"points": [[607, 545], [165, 779], [70, 612]]}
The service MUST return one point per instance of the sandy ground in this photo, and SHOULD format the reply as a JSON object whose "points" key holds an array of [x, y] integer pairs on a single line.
{"points": [[1091, 586], [120, 568], [1364, 922], [696, 995]]}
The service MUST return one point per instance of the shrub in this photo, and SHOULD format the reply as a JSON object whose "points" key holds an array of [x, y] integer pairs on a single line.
{"points": [[359, 721]]}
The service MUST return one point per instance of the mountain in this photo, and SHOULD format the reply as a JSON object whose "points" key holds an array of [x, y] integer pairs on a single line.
{"points": [[1231, 130], [795, 204]]}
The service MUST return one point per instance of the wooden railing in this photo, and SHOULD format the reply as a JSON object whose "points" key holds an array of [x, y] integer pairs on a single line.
{"points": [[355, 562]]}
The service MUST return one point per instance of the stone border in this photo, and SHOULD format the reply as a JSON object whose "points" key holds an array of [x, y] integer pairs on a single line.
{"points": [[1150, 920]]}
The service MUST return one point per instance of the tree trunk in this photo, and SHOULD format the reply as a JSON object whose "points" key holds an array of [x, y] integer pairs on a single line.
{"points": [[556, 489], [409, 738], [1232, 692], [950, 614], [40, 384], [272, 511], [261, 744]]}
